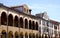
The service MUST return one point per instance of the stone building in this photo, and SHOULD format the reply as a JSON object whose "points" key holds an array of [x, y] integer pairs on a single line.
{"points": [[18, 22]]}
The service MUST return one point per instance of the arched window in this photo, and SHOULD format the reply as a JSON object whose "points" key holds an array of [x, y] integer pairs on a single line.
{"points": [[21, 22], [3, 34], [3, 18], [36, 26], [36, 35], [10, 20], [16, 21], [26, 35], [26, 23], [33, 25], [45, 36], [16, 35], [10, 34], [30, 26], [21, 35], [33, 36]]}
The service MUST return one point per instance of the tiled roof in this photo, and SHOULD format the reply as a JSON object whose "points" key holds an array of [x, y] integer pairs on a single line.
{"points": [[54, 22]]}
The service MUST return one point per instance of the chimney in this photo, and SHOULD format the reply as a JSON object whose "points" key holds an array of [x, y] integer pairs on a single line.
{"points": [[30, 11]]}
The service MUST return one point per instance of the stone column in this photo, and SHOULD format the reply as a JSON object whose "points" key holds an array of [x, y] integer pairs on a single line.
{"points": [[23, 23], [0, 25], [28, 24], [53, 31], [41, 27]]}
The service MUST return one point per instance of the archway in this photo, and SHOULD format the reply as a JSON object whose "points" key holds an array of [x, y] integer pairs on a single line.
{"points": [[36, 35], [21, 22], [10, 20], [21, 35], [33, 35], [30, 26], [3, 34], [33, 25], [10, 34], [30, 35], [3, 18], [36, 25], [16, 21], [26, 35], [16, 35], [26, 23], [45, 36], [39, 35]]}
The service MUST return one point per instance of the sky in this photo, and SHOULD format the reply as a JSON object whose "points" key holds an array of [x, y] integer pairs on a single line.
{"points": [[52, 7]]}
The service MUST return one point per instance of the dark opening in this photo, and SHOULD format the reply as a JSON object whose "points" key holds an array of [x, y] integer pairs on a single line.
{"points": [[30, 26], [33, 25], [26, 23], [10, 20], [36, 26], [3, 35], [16, 21], [21, 22], [3, 18]]}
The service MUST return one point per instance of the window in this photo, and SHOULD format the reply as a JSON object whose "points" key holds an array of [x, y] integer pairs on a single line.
{"points": [[43, 22], [55, 27]]}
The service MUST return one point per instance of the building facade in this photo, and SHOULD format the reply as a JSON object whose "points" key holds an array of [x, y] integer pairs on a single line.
{"points": [[48, 28], [17, 22]]}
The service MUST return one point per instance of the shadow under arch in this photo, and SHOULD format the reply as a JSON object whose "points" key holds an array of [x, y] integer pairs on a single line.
{"points": [[45, 36], [21, 22], [30, 24], [21, 34], [3, 34], [33, 35], [16, 34], [36, 25], [30, 35], [36, 35], [3, 18], [26, 35], [10, 20], [16, 21], [10, 34], [26, 23]]}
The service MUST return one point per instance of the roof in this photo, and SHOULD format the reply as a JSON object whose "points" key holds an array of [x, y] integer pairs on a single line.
{"points": [[32, 16], [54, 22]]}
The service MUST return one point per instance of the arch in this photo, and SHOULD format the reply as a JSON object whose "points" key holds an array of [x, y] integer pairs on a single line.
{"points": [[16, 35], [10, 20], [26, 23], [21, 22], [39, 35], [16, 21], [36, 35], [21, 35], [26, 35], [3, 18], [42, 35], [33, 25], [30, 35], [36, 25], [33, 35], [30, 26], [45, 36], [10, 34], [3, 34]]}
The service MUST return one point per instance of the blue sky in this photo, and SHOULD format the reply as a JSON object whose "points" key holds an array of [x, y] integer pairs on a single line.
{"points": [[52, 7]]}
